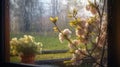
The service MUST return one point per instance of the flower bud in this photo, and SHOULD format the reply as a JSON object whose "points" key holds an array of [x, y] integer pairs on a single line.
{"points": [[54, 20]]}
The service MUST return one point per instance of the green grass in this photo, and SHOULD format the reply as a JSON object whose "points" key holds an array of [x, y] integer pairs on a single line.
{"points": [[43, 57], [51, 42]]}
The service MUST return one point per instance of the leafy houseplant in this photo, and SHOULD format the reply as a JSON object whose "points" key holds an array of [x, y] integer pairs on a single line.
{"points": [[25, 47]]}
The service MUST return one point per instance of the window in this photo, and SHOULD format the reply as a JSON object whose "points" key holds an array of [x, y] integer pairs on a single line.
{"points": [[25, 28], [29, 17]]}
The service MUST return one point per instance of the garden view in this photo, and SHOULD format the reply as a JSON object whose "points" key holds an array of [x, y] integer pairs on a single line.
{"points": [[76, 27]]}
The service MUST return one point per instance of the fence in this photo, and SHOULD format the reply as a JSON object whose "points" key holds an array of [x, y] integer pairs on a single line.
{"points": [[87, 62]]}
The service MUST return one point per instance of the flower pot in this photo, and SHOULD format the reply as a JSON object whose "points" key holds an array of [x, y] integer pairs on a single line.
{"points": [[29, 59]]}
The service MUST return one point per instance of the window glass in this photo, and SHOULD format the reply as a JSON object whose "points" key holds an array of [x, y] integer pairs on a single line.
{"points": [[55, 29]]}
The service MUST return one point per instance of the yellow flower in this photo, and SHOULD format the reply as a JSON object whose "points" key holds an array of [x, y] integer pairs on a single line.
{"points": [[14, 52], [21, 40], [14, 41], [11, 47], [72, 23], [78, 28], [11, 42], [14, 38], [61, 37], [23, 43], [91, 20], [55, 29], [54, 19], [30, 38], [25, 36], [78, 20], [26, 42]]}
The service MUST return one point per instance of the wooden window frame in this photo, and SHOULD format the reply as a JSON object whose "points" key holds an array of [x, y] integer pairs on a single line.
{"points": [[113, 33], [5, 31]]}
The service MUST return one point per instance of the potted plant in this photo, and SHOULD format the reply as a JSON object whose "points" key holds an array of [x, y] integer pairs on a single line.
{"points": [[26, 47]]}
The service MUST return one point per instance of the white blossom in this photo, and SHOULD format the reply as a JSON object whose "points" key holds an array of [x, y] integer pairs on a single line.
{"points": [[70, 46], [77, 33], [61, 37], [77, 51], [67, 32], [96, 39], [76, 42]]}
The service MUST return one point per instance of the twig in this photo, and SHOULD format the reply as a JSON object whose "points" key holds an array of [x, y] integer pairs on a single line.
{"points": [[92, 58], [100, 15], [103, 51]]}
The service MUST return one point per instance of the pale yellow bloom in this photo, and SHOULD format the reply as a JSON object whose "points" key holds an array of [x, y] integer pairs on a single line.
{"points": [[30, 38], [26, 42], [11, 47], [83, 36], [41, 44], [72, 23], [25, 36], [74, 56], [11, 42], [78, 20], [96, 39], [14, 52], [55, 29], [14, 41], [89, 21], [61, 37], [26, 39], [54, 19], [86, 24], [21, 40]]}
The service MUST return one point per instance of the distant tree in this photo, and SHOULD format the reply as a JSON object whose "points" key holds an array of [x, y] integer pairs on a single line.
{"points": [[26, 12]]}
